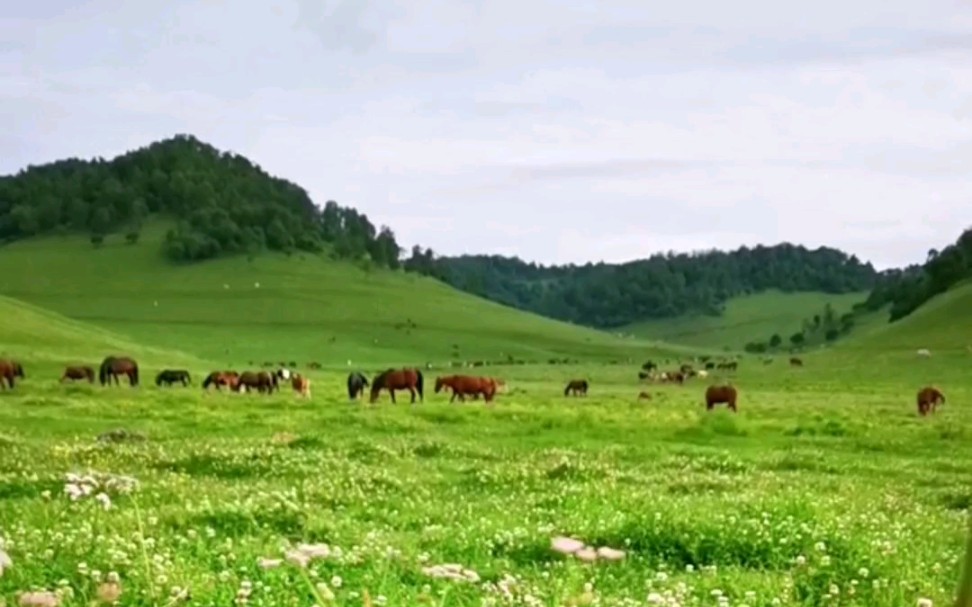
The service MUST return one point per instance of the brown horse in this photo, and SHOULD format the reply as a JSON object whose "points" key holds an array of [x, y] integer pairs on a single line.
{"points": [[9, 369], [263, 381], [928, 400], [463, 385], [113, 366], [221, 378], [796, 362], [75, 373], [715, 395], [577, 386], [397, 379], [301, 385]]}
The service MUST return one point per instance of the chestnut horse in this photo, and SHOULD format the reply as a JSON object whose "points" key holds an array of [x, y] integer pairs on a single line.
{"points": [[397, 379], [301, 385], [577, 386], [715, 395], [261, 380], [357, 382], [928, 400], [463, 385], [113, 366], [221, 378], [74, 373], [10, 369]]}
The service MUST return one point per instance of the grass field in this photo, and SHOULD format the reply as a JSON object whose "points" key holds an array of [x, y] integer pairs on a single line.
{"points": [[304, 309], [750, 318]]}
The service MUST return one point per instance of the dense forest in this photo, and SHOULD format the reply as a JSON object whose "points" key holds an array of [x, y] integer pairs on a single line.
{"points": [[906, 289], [221, 203], [613, 295]]}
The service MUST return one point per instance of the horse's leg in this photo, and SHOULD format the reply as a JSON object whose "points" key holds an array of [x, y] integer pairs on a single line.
{"points": [[392, 392], [454, 394], [412, 390]]}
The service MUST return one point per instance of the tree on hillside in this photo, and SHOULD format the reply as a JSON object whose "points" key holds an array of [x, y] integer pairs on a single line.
{"points": [[775, 340], [797, 339]]}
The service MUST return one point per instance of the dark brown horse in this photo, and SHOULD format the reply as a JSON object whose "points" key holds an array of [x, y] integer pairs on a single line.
{"points": [[796, 362], [715, 395], [221, 378], [577, 386], [397, 379], [76, 373], [171, 376], [262, 381], [113, 366], [467, 385], [9, 369], [928, 399], [357, 382]]}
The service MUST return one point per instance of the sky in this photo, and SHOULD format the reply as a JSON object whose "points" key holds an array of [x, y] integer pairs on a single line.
{"points": [[556, 131]]}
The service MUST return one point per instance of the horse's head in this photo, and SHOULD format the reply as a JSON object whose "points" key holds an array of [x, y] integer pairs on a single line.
{"points": [[439, 382]]}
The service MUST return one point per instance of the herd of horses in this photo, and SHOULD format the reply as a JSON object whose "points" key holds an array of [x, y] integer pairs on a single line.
{"points": [[112, 368]]}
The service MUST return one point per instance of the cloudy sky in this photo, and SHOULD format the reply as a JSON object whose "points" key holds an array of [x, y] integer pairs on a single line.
{"points": [[556, 131]]}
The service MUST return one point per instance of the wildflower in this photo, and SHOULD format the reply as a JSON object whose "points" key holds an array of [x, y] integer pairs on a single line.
{"points": [[863, 572], [43, 598], [655, 599], [5, 562], [923, 602], [325, 593], [336, 581], [265, 563], [109, 592]]}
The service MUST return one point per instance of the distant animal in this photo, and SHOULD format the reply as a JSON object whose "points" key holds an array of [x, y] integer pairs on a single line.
{"points": [[796, 362], [301, 385], [675, 376], [113, 366], [728, 365], [649, 366], [9, 369], [397, 379], [467, 385], [313, 365], [715, 395], [171, 376], [261, 381], [283, 374], [357, 382], [577, 386], [928, 399], [644, 396], [924, 353], [221, 378], [710, 365], [703, 373], [76, 373]]}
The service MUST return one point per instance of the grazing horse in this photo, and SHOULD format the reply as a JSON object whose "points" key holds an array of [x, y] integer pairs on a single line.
{"points": [[171, 376], [577, 386], [924, 352], [75, 373], [644, 395], [113, 366], [301, 385], [715, 395], [10, 369], [221, 378], [928, 400], [357, 382], [463, 385], [397, 379], [796, 362], [261, 380]]}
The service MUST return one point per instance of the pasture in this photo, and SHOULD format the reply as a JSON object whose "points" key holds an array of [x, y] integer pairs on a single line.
{"points": [[825, 489]]}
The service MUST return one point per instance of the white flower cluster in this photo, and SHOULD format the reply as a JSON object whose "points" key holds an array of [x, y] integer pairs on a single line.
{"points": [[451, 571], [99, 485]]}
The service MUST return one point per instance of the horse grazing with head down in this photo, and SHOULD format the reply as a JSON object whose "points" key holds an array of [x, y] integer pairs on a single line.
{"points": [[171, 376], [928, 399], [397, 379], [9, 369], [76, 373], [467, 385], [576, 386], [262, 381], [715, 395], [113, 366], [796, 362], [357, 382], [221, 378]]}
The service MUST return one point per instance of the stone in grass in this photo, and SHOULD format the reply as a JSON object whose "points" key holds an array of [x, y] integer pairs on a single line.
{"points": [[579, 550]]}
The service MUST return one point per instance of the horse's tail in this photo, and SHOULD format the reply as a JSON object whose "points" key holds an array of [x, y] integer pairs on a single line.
{"points": [[419, 381], [158, 379], [351, 386], [134, 373], [207, 381], [103, 372], [567, 389]]}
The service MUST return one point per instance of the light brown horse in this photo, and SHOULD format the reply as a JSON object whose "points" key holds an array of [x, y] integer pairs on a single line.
{"points": [[76, 373], [263, 381], [398, 379], [576, 386], [301, 385], [928, 399], [715, 395], [113, 366], [221, 378], [467, 385], [9, 369]]}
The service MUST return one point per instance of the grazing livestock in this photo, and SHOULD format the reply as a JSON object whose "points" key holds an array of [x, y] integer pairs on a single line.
{"points": [[282, 374], [644, 396], [467, 385], [221, 378], [796, 362], [928, 399], [715, 395], [397, 379], [728, 365], [357, 382], [171, 376], [702, 373], [576, 386], [301, 385], [262, 381], [76, 373], [9, 369], [924, 353], [113, 366]]}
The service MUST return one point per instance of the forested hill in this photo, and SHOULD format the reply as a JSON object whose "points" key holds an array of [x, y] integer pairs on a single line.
{"points": [[613, 295], [222, 204]]}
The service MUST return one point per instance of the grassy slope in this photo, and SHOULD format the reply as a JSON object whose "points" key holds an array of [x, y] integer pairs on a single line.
{"points": [[305, 307], [748, 318]]}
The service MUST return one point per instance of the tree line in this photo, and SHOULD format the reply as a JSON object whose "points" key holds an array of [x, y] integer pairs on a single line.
{"points": [[221, 203], [823, 327]]}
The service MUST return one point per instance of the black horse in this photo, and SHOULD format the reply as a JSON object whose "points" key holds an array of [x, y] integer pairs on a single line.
{"points": [[171, 376], [357, 382]]}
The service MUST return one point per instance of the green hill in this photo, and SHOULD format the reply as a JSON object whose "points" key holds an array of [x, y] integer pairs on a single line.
{"points": [[746, 318], [274, 307]]}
